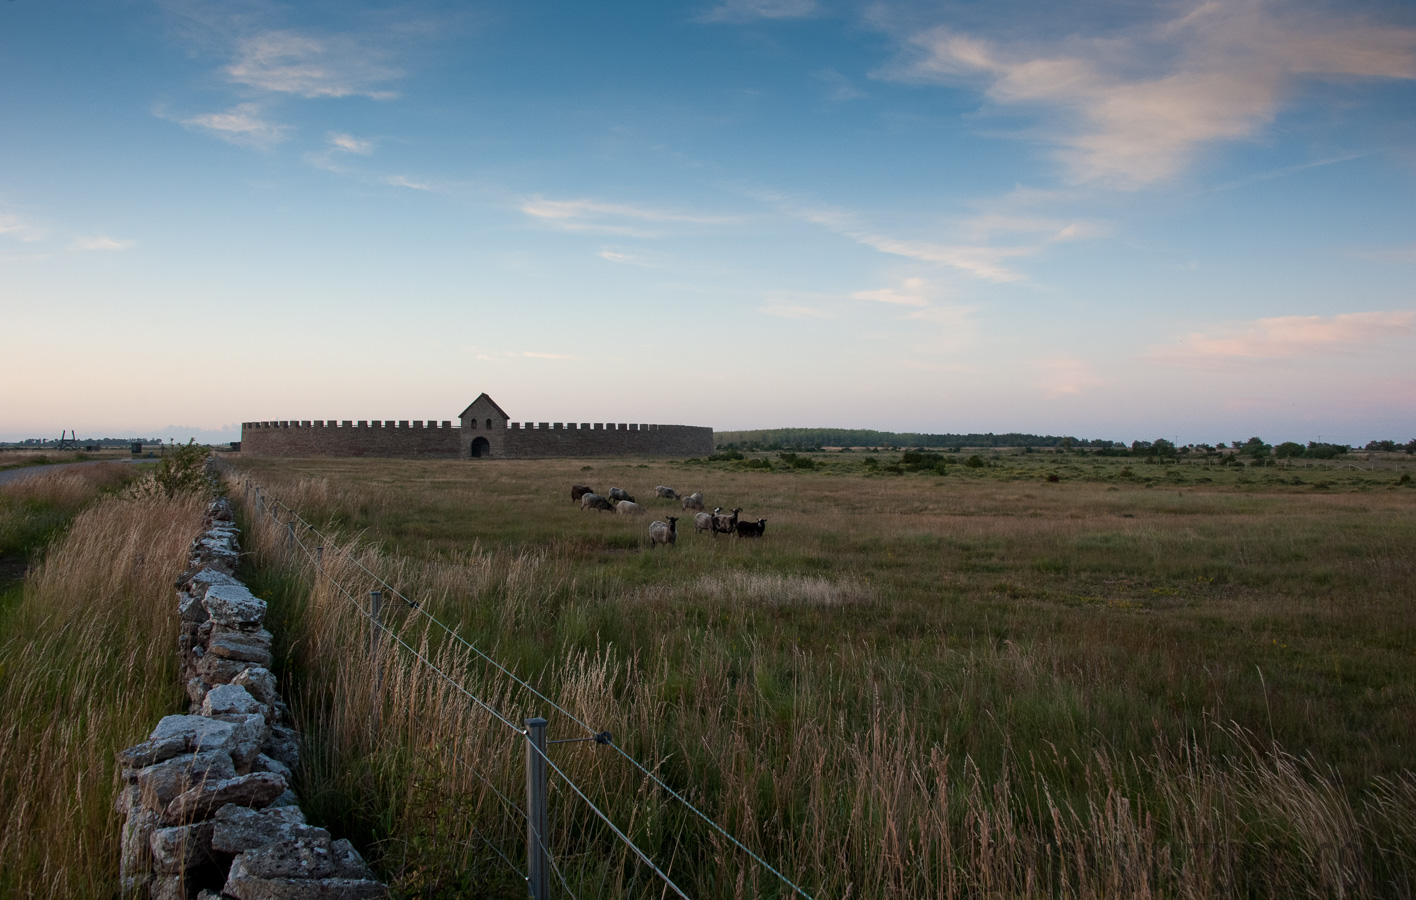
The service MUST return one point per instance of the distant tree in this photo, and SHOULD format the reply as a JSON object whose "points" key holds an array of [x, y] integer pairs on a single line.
{"points": [[1288, 450], [1383, 446], [1324, 451], [1256, 448]]}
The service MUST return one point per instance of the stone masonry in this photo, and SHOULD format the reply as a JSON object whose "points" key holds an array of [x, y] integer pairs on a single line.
{"points": [[208, 809], [482, 431]]}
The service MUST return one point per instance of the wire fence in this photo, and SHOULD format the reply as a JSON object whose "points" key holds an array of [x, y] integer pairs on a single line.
{"points": [[541, 861]]}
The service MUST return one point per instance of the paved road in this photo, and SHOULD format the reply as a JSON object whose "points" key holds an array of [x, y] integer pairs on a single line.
{"points": [[17, 474]]}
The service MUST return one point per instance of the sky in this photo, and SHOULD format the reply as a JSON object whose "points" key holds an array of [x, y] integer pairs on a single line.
{"points": [[1107, 219]]}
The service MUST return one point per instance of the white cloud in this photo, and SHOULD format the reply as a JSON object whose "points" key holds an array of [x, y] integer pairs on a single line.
{"points": [[738, 11], [20, 229], [1066, 377], [913, 292], [611, 218], [348, 143], [405, 181], [535, 355], [1288, 338], [1132, 109], [242, 124], [980, 261], [308, 66], [100, 242]]}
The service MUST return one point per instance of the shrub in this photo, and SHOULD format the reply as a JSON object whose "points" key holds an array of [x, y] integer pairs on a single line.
{"points": [[758, 463], [1288, 450], [1324, 451], [729, 455], [919, 461], [182, 471], [975, 462], [797, 462]]}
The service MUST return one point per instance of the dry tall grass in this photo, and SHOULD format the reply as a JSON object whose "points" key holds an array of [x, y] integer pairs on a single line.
{"points": [[848, 765], [87, 667]]}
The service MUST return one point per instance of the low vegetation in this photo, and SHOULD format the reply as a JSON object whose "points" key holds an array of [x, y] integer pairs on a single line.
{"points": [[927, 678], [86, 665]]}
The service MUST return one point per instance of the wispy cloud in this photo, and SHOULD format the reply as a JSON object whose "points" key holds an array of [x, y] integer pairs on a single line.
{"points": [[407, 182], [1131, 109], [611, 218], [311, 66], [21, 229], [840, 88], [739, 11], [1066, 377], [913, 292], [242, 124], [532, 354], [348, 143], [1288, 338], [101, 242]]}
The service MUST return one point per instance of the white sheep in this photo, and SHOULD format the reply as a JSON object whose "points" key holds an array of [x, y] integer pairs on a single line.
{"points": [[663, 533], [665, 493], [693, 500], [629, 508], [702, 522], [594, 501]]}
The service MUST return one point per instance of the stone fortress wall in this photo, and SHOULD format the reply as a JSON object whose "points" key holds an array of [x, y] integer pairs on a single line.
{"points": [[483, 430]]}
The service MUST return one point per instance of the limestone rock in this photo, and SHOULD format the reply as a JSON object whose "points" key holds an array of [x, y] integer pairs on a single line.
{"points": [[182, 847], [286, 799], [201, 732], [310, 854], [135, 843], [168, 887], [234, 606], [216, 670], [252, 646], [239, 829], [154, 750], [191, 609], [161, 783], [283, 744], [231, 699], [256, 790], [259, 682], [263, 763], [196, 690], [248, 887]]}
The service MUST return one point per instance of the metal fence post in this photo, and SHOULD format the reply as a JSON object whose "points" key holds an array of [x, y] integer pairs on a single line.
{"points": [[375, 611], [259, 509], [319, 557], [537, 869]]}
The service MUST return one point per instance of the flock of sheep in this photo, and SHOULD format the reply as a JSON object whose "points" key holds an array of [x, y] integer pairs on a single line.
{"points": [[717, 522]]}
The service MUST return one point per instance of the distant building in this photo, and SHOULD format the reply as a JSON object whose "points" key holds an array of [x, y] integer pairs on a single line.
{"points": [[484, 430]]}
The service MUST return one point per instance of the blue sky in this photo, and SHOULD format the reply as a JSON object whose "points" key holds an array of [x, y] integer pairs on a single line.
{"points": [[1109, 219]]}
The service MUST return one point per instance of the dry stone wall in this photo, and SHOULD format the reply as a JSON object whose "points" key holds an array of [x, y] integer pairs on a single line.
{"points": [[207, 803]]}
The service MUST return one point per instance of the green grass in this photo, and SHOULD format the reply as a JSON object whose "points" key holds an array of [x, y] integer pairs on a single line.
{"points": [[1030, 648]]}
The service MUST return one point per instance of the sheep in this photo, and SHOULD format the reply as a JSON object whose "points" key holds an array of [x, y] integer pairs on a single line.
{"points": [[725, 524], [751, 529], [702, 522], [665, 493], [617, 495], [595, 501], [693, 500], [629, 508], [660, 533], [579, 490]]}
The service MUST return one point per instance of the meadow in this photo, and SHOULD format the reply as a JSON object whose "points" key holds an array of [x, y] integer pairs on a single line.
{"points": [[1138, 679], [86, 664]]}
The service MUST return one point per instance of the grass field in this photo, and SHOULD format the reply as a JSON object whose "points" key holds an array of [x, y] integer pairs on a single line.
{"points": [[86, 665], [1138, 680]]}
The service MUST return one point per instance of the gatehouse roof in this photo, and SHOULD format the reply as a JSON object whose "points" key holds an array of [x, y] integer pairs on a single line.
{"points": [[493, 403]]}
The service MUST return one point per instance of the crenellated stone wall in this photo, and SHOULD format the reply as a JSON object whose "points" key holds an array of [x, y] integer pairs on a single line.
{"points": [[208, 808]]}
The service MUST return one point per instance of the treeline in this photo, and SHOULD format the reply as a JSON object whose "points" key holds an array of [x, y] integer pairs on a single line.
{"points": [[808, 438]]}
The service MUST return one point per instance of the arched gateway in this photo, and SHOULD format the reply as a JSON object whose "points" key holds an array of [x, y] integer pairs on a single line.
{"points": [[481, 447]]}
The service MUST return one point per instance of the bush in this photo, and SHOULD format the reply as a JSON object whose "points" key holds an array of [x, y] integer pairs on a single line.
{"points": [[918, 461], [1288, 450], [758, 463], [975, 462], [1324, 451], [726, 456], [182, 471], [797, 462]]}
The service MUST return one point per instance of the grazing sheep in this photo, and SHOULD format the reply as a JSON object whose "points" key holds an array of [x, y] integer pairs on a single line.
{"points": [[665, 493], [579, 490], [725, 524], [693, 500], [617, 495], [751, 529], [629, 508], [660, 533], [595, 501], [702, 522]]}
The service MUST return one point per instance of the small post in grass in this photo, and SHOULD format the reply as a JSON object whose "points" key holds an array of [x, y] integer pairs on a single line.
{"points": [[289, 535], [537, 868]]}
